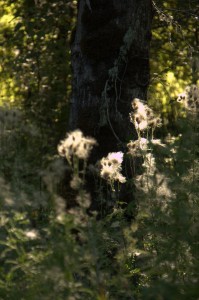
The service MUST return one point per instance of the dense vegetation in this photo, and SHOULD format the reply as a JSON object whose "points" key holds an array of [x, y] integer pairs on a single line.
{"points": [[56, 241]]}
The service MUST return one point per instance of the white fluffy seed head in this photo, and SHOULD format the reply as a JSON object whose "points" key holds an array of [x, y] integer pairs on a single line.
{"points": [[76, 144], [111, 167]]}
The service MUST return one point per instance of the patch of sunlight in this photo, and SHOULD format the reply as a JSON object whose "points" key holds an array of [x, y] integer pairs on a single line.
{"points": [[6, 91], [6, 19], [175, 85], [170, 77], [168, 88], [7, 23]]}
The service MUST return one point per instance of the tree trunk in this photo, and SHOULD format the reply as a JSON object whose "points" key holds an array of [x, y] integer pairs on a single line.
{"points": [[110, 62]]}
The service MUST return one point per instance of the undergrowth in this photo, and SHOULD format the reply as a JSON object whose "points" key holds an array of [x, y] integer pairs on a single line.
{"points": [[53, 250]]}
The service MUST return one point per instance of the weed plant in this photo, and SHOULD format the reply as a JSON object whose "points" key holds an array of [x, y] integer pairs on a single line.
{"points": [[50, 250]]}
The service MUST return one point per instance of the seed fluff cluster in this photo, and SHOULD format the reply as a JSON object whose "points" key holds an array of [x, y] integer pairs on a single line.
{"points": [[111, 167], [190, 98], [75, 144], [138, 147], [143, 117]]}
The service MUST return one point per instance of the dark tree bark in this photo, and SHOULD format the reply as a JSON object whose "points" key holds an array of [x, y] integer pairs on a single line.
{"points": [[110, 62]]}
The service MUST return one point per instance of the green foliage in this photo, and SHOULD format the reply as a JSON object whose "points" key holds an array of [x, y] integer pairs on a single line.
{"points": [[52, 251], [53, 244], [35, 65], [174, 52]]}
